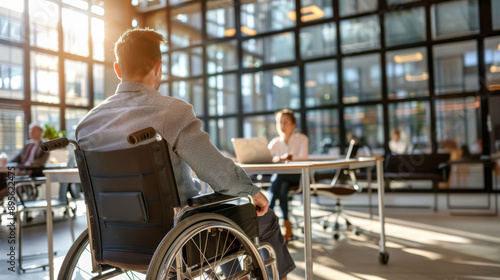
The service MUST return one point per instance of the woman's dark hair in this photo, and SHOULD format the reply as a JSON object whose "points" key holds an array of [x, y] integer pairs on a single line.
{"points": [[137, 51]]}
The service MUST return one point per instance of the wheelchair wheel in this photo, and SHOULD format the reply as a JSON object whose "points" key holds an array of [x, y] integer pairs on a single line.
{"points": [[206, 246], [77, 264]]}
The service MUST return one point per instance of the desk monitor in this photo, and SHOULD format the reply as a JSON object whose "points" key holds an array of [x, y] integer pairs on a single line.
{"points": [[252, 150]]}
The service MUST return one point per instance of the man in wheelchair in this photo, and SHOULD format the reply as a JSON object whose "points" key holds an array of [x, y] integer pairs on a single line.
{"points": [[137, 104]]}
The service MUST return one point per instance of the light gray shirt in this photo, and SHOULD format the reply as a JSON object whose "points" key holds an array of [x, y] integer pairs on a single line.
{"points": [[135, 106]]}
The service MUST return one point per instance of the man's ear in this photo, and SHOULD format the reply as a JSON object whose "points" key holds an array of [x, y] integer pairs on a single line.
{"points": [[117, 70], [158, 67]]}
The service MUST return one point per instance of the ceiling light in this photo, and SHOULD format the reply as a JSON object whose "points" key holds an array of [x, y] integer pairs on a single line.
{"points": [[417, 78], [405, 58], [308, 13]]}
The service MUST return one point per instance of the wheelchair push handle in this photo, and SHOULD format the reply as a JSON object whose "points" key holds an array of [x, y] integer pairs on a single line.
{"points": [[142, 135], [54, 144]]}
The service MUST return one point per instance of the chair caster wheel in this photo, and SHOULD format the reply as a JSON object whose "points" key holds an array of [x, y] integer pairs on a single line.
{"points": [[336, 236], [383, 258], [356, 232]]}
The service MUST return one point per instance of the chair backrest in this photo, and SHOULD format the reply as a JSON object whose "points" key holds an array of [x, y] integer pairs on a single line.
{"points": [[130, 195]]}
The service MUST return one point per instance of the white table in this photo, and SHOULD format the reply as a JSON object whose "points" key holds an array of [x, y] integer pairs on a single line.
{"points": [[69, 175], [304, 168]]}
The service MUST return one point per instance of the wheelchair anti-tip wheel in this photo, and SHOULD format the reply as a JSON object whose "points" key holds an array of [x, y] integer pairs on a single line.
{"points": [[77, 264], [205, 247]]}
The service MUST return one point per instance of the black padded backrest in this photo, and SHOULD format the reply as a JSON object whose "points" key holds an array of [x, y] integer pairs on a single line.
{"points": [[415, 163], [130, 194]]}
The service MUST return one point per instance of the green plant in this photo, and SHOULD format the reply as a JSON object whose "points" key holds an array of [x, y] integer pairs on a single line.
{"points": [[51, 133]]}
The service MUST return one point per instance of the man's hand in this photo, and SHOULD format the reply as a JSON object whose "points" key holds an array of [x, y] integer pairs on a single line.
{"points": [[261, 204]]}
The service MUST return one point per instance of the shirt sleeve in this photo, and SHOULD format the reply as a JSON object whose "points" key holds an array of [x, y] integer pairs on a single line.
{"points": [[193, 145]]}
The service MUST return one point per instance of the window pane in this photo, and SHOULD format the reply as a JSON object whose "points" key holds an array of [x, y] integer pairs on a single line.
{"points": [[190, 91], [455, 18], [222, 57], [163, 90], [98, 39], [455, 67], [318, 40], [321, 83], [266, 15], [11, 72], [46, 115], [187, 63], [261, 126], [495, 13], [220, 19], [222, 95], [77, 81], [72, 118], [272, 49], [407, 73], [492, 61], [405, 27], [11, 20], [271, 90], [158, 21], [360, 34], [97, 7], [351, 7], [76, 32], [392, 2], [99, 75], [186, 25], [323, 131], [11, 131], [44, 77], [366, 124], [412, 119], [44, 16], [223, 130], [315, 9], [457, 124], [361, 78]]}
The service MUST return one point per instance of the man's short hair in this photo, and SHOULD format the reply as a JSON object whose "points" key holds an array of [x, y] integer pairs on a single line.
{"points": [[137, 51]]}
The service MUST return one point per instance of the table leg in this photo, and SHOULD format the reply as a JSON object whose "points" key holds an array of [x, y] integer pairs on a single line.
{"points": [[307, 224], [383, 255], [48, 197]]}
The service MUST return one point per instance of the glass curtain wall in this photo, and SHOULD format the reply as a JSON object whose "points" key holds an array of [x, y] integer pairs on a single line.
{"points": [[52, 65], [350, 69]]}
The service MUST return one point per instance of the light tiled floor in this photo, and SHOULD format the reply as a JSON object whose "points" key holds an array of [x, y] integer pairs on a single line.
{"points": [[422, 245]]}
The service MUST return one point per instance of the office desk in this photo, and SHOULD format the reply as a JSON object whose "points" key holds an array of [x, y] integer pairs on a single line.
{"points": [[56, 176], [304, 168]]}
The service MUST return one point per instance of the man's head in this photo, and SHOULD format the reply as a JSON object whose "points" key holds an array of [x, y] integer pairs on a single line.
{"points": [[137, 53], [35, 131]]}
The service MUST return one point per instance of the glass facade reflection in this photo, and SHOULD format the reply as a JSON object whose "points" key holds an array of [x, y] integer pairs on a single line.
{"points": [[407, 73], [351, 69], [53, 66], [271, 90]]}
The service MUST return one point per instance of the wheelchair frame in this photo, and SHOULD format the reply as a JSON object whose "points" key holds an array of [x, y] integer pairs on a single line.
{"points": [[169, 258]]}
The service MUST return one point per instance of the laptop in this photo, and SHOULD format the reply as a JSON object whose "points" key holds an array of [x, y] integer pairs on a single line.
{"points": [[252, 150]]}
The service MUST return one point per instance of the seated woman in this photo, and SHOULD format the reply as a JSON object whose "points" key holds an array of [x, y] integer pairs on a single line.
{"points": [[289, 145]]}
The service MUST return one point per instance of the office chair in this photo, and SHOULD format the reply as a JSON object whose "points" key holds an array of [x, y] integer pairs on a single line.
{"points": [[339, 189], [137, 224]]}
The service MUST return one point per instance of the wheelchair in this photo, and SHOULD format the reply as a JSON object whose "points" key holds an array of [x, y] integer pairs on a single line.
{"points": [[138, 229]]}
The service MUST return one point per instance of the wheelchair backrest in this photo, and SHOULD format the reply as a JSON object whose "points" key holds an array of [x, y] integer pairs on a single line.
{"points": [[131, 195]]}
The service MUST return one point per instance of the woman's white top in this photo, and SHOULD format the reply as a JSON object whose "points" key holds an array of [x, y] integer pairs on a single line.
{"points": [[298, 146]]}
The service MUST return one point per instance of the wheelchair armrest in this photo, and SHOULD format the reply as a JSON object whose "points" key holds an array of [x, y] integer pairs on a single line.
{"points": [[209, 199]]}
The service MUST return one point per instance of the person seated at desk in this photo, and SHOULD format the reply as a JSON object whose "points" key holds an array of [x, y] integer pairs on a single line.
{"points": [[396, 144], [138, 104], [32, 155], [289, 145]]}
